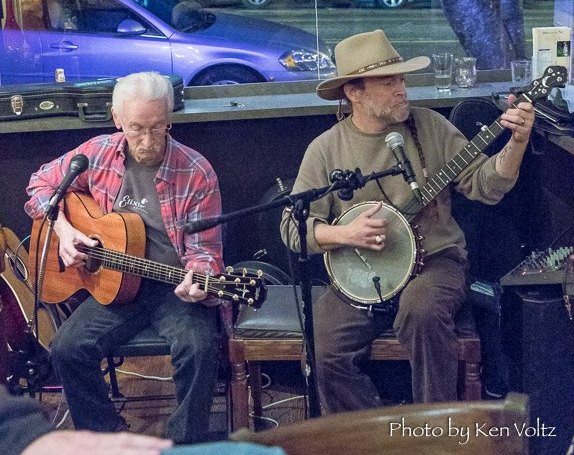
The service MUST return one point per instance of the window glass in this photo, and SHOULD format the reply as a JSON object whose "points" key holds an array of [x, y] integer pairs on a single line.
{"points": [[240, 41]]}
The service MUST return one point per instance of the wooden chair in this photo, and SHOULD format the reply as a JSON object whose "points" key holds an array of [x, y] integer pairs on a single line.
{"points": [[272, 333], [475, 427]]}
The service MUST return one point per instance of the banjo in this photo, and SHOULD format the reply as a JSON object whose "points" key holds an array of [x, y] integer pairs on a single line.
{"points": [[371, 277]]}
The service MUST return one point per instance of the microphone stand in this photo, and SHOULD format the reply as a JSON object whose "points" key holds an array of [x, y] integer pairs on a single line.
{"points": [[26, 362], [301, 203]]}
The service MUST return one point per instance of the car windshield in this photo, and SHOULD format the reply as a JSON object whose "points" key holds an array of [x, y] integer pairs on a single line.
{"points": [[185, 16]]}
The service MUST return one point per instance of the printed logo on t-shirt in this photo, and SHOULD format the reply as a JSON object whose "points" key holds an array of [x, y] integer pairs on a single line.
{"points": [[131, 204]]}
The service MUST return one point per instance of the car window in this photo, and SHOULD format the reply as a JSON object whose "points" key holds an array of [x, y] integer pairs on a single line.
{"points": [[89, 16], [189, 16], [33, 16], [185, 16]]}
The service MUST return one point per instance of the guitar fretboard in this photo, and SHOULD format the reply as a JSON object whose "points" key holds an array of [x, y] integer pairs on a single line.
{"points": [[146, 268]]}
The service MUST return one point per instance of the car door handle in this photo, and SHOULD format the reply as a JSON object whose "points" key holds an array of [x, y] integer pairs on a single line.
{"points": [[64, 45]]}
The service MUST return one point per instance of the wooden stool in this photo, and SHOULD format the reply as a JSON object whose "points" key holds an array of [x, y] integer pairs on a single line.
{"points": [[272, 333]]}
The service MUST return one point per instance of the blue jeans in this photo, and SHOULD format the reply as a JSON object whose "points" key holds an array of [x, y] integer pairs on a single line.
{"points": [[92, 332]]}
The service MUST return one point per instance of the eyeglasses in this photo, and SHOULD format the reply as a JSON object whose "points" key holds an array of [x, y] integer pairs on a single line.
{"points": [[155, 132]]}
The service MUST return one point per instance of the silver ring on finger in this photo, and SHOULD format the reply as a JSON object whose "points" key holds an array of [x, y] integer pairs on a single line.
{"points": [[378, 239]]}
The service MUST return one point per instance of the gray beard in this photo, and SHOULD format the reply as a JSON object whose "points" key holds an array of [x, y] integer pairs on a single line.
{"points": [[385, 114]]}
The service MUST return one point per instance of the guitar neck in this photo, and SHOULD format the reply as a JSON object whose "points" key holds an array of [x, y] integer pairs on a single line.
{"points": [[144, 268]]}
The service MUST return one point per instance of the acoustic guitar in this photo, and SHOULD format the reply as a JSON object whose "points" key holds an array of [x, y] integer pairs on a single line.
{"points": [[116, 265], [17, 295]]}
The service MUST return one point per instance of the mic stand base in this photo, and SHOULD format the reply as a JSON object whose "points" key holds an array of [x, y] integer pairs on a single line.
{"points": [[28, 368]]}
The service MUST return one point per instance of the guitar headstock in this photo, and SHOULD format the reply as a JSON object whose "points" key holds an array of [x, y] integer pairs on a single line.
{"points": [[554, 76], [240, 288]]}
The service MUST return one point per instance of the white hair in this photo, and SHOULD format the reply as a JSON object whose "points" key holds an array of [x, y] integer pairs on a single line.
{"points": [[147, 86]]}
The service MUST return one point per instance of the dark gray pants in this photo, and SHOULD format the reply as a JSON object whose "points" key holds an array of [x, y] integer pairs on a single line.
{"points": [[93, 330], [424, 325]]}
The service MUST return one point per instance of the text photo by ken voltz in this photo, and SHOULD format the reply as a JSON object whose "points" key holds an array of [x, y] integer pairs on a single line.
{"points": [[464, 432]]}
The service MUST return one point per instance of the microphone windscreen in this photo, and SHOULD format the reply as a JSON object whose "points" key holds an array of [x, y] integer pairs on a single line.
{"points": [[394, 139], [79, 163]]}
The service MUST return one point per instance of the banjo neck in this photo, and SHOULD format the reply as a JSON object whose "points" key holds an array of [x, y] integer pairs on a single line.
{"points": [[455, 166], [554, 76], [435, 185]]}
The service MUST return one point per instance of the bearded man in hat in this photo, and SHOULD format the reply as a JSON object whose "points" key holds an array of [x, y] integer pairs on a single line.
{"points": [[371, 80]]}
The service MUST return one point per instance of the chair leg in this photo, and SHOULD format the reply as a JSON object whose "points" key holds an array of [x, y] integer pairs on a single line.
{"points": [[111, 370], [239, 391], [256, 393], [472, 382]]}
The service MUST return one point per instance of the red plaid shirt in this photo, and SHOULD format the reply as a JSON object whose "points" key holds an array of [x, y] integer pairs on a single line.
{"points": [[187, 186]]}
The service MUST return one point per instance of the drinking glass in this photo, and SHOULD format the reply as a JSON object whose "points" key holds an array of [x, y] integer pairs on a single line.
{"points": [[465, 71], [442, 64]]}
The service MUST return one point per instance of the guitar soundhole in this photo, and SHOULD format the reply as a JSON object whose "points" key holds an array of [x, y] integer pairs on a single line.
{"points": [[19, 268], [93, 264]]}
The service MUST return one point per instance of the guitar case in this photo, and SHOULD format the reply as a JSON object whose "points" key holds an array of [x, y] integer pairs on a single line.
{"points": [[91, 101]]}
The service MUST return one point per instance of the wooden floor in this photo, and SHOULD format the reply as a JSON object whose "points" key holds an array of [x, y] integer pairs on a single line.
{"points": [[149, 378]]}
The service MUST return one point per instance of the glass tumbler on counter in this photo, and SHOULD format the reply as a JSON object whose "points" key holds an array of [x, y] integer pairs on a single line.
{"points": [[442, 64], [465, 71]]}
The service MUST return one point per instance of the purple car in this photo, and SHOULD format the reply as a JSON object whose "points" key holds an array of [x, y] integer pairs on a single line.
{"points": [[92, 39]]}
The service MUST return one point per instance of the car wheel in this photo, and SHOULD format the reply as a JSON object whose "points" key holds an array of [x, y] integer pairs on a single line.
{"points": [[226, 75], [392, 3], [256, 4]]}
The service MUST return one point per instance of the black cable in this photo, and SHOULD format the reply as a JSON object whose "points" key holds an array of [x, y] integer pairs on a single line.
{"points": [[565, 294]]}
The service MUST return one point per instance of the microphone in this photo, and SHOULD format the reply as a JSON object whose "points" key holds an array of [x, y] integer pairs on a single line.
{"points": [[78, 165], [396, 143]]}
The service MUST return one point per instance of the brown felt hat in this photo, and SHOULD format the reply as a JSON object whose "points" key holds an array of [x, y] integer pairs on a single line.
{"points": [[366, 55]]}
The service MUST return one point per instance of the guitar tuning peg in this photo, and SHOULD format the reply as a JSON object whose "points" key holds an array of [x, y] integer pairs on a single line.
{"points": [[244, 271], [229, 269], [259, 273], [252, 282]]}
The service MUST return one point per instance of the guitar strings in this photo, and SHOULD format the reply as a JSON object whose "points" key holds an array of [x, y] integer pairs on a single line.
{"points": [[127, 263]]}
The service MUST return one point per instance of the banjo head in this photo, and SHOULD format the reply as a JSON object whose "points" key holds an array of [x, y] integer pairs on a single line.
{"points": [[352, 269]]}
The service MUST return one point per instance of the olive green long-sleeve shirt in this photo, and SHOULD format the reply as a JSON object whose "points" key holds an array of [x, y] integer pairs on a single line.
{"points": [[345, 147]]}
